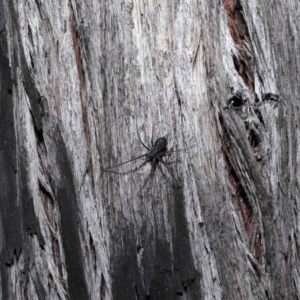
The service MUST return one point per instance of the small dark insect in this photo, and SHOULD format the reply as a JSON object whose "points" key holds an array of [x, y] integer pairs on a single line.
{"points": [[155, 155]]}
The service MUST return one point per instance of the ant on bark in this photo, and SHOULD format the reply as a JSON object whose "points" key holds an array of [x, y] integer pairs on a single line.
{"points": [[156, 152]]}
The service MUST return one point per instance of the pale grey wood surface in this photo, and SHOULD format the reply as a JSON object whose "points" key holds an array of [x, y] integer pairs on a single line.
{"points": [[80, 79]]}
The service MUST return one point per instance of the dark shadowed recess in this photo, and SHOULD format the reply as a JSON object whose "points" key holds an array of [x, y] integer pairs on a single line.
{"points": [[70, 223], [11, 213], [166, 272], [18, 221]]}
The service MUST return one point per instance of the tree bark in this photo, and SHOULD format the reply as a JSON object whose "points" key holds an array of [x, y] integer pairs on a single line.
{"points": [[81, 80]]}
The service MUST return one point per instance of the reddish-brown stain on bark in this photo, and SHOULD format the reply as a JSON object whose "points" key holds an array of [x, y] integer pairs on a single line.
{"points": [[239, 33], [80, 70], [81, 76], [238, 193]]}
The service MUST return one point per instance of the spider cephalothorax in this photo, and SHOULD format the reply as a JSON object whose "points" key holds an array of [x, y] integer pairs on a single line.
{"points": [[159, 148]]}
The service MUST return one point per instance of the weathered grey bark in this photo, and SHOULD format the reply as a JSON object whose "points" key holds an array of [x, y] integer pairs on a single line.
{"points": [[78, 79]]}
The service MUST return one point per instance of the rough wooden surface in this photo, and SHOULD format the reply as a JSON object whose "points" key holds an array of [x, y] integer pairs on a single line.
{"points": [[80, 79]]}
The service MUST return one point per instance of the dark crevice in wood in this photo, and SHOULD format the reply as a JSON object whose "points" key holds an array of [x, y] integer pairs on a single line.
{"points": [[50, 281], [254, 142], [268, 297], [92, 250], [239, 32], [236, 101], [255, 267], [270, 97], [102, 288], [257, 246], [139, 248], [32, 67], [37, 120], [259, 116], [179, 100], [137, 293], [256, 100], [14, 258], [30, 35]]}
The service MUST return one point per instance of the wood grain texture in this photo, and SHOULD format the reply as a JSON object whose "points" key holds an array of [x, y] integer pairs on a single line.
{"points": [[80, 80]]}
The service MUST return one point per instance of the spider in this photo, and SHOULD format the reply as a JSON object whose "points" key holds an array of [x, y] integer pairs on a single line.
{"points": [[156, 152]]}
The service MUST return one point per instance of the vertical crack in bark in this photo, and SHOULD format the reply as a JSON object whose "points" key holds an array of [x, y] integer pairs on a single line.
{"points": [[239, 32], [50, 281], [81, 76], [240, 197], [30, 37], [254, 142], [259, 116]]}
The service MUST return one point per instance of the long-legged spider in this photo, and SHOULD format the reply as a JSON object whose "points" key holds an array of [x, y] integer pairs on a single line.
{"points": [[155, 155]]}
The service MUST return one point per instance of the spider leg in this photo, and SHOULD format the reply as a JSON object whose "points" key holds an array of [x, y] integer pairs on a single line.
{"points": [[169, 152], [167, 167], [131, 171], [135, 158], [148, 148], [151, 173], [173, 161], [162, 172]]}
